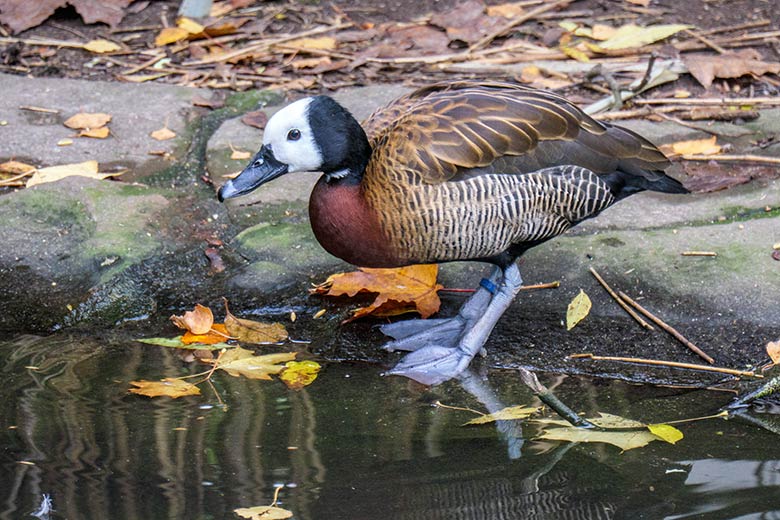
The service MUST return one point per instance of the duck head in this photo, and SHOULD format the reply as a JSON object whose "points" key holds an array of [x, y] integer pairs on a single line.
{"points": [[312, 134]]}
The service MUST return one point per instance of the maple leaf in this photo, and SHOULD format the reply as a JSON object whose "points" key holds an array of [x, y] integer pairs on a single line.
{"points": [[243, 362], [400, 290], [170, 387], [198, 321], [255, 332]]}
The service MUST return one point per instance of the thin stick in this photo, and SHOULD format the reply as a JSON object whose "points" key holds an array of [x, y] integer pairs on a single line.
{"points": [[709, 43], [682, 339], [673, 364], [732, 158], [731, 28], [13, 181], [710, 101], [517, 21], [39, 109], [626, 308], [699, 253], [548, 285]]}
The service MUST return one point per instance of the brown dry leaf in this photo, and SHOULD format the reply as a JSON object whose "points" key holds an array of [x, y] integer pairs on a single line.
{"points": [[322, 43], [16, 167], [55, 173], [169, 387], [299, 374], [216, 101], [255, 119], [256, 332], [706, 146], [170, 35], [84, 120], [243, 362], [217, 334], [20, 14], [263, 513], [163, 134], [706, 67], [509, 10], [101, 46], [773, 349], [198, 321], [467, 22], [406, 289], [97, 133]]}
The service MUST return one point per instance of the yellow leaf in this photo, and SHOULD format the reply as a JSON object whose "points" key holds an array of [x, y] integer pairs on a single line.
{"points": [[84, 120], [624, 440], [604, 420], [101, 46], [693, 147], [323, 43], [401, 290], [263, 513], [239, 155], [98, 133], [575, 53], [198, 321], [141, 78], [170, 387], [16, 167], [253, 331], [665, 432], [191, 26], [242, 362], [577, 309], [65, 142], [507, 414], [568, 26], [163, 134], [773, 349], [170, 35], [55, 173], [632, 36], [602, 32], [509, 10], [300, 373]]}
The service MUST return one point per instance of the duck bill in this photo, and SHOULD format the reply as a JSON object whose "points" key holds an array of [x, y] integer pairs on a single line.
{"points": [[263, 168]]}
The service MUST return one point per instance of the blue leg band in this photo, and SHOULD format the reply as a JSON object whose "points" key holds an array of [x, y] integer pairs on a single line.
{"points": [[489, 285]]}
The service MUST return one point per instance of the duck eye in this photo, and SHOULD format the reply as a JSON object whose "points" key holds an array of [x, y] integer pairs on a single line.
{"points": [[293, 135], [258, 162]]}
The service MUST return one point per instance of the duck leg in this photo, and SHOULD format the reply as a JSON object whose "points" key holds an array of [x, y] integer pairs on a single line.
{"points": [[411, 335], [434, 363]]}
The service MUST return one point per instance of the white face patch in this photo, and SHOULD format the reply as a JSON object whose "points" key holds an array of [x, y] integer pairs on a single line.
{"points": [[302, 154]]}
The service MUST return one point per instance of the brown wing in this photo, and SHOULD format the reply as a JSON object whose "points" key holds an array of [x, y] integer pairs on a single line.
{"points": [[450, 129]]}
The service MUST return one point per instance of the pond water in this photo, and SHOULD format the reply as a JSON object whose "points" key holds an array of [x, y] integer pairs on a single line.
{"points": [[353, 445]]}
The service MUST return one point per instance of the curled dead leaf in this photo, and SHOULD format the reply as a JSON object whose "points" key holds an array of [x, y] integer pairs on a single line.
{"points": [[705, 67], [198, 321], [96, 133], [84, 120]]}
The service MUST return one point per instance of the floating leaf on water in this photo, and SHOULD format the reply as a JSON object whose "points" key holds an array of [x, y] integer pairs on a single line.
{"points": [[168, 387], [217, 334], [665, 432], [263, 513], [255, 332], [577, 310], [300, 373], [507, 414], [627, 440], [243, 362], [178, 343], [198, 321]]}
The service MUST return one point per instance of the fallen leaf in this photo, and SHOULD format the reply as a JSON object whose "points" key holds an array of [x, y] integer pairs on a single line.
{"points": [[263, 513], [300, 373], [242, 362], [65, 142], [163, 134], [55, 173], [21, 15], [198, 321], [141, 78], [706, 146], [16, 167], [643, 3], [466, 21], [507, 414], [509, 10], [665, 432], [169, 387], [178, 343], [240, 155], [604, 420], [170, 35], [101, 46], [189, 25], [323, 43], [217, 334], [255, 119], [577, 310], [773, 349], [401, 290], [623, 440], [256, 332], [602, 32], [97, 133], [84, 120], [216, 101], [706, 67], [632, 36]]}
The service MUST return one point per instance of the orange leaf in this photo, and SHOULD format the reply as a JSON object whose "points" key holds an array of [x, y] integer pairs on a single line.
{"points": [[406, 289], [693, 147], [84, 120], [171, 387], [198, 321], [773, 349], [217, 334]]}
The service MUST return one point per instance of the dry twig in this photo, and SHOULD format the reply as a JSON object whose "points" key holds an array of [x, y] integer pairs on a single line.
{"points": [[626, 308], [673, 364]]}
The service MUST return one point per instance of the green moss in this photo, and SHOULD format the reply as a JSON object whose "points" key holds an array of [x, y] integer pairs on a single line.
{"points": [[38, 209], [291, 245], [251, 100]]}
